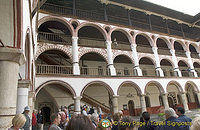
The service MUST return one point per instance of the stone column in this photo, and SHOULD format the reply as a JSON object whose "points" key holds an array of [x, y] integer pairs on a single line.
{"points": [[76, 68], [191, 64], [31, 96], [10, 59], [159, 71], [115, 103], [165, 100], [176, 68], [22, 95], [184, 101], [143, 103], [77, 105], [110, 59], [137, 69]]}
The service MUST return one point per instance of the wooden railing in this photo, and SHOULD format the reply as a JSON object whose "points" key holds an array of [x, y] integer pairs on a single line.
{"points": [[163, 51], [144, 49], [124, 72], [94, 71], [54, 69], [194, 55], [180, 53], [122, 46], [91, 42], [54, 38]]}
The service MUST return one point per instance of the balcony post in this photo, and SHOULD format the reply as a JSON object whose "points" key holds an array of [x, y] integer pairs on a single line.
{"points": [[77, 105], [176, 68], [188, 54], [137, 69], [184, 101], [76, 68], [143, 103], [165, 100], [115, 103], [159, 71], [110, 59]]}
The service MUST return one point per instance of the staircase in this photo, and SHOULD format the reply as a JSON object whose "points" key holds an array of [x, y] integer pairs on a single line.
{"points": [[93, 102]]}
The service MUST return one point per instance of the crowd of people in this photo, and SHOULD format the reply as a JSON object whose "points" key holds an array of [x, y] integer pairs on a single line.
{"points": [[91, 119]]}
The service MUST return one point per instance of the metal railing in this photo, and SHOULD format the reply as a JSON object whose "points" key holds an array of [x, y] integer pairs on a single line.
{"points": [[94, 71], [54, 69], [54, 38], [124, 72]]}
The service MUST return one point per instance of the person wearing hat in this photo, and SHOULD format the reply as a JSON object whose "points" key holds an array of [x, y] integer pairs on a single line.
{"points": [[28, 120]]}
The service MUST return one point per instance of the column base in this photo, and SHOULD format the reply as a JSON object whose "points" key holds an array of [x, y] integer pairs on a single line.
{"points": [[137, 71], [177, 73], [159, 72], [194, 73]]}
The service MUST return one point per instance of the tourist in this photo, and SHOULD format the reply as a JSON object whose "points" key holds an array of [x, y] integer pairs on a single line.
{"points": [[195, 124], [183, 118], [148, 125], [40, 120], [17, 122], [171, 122], [127, 123], [64, 120], [116, 121], [95, 119], [80, 122], [34, 120], [55, 120], [28, 120]]}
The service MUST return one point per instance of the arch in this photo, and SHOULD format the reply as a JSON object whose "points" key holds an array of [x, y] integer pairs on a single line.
{"points": [[95, 25], [182, 45], [167, 59], [193, 48], [47, 47], [139, 91], [110, 90], [149, 58], [128, 35], [100, 52], [196, 64], [176, 84], [146, 36], [166, 41], [182, 62], [59, 19], [193, 85], [62, 83], [157, 84], [125, 55]]}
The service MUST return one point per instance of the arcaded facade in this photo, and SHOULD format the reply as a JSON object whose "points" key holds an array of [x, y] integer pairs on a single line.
{"points": [[64, 54]]}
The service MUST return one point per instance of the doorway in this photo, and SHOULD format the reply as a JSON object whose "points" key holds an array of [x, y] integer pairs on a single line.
{"points": [[131, 107], [46, 113]]}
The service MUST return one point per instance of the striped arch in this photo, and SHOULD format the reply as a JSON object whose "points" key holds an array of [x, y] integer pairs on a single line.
{"points": [[182, 43], [128, 55], [186, 62], [46, 47], [168, 59], [166, 41], [145, 35], [128, 35], [62, 83], [193, 84], [139, 91], [195, 46], [157, 84], [59, 19], [101, 52], [149, 57], [179, 87], [110, 90], [95, 25]]}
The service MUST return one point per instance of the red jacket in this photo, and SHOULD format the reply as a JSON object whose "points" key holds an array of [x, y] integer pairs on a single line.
{"points": [[34, 119]]}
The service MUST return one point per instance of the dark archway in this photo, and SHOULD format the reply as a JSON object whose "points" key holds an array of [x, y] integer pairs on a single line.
{"points": [[184, 68], [167, 68], [123, 65], [90, 36], [93, 64], [197, 68], [162, 47], [194, 53], [46, 113], [147, 67], [131, 107], [171, 102], [179, 51], [147, 101], [143, 44]]}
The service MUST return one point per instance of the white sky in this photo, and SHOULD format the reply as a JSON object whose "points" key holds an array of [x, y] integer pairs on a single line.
{"points": [[191, 7]]}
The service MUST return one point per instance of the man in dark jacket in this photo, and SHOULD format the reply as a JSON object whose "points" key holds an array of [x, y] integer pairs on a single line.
{"points": [[40, 120], [149, 125], [183, 118]]}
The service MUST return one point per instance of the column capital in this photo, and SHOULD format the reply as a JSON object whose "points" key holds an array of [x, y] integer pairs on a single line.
{"points": [[172, 51], [154, 48], [115, 96], [133, 46], [12, 54], [142, 95], [74, 38], [108, 42], [24, 83], [77, 98], [31, 94]]}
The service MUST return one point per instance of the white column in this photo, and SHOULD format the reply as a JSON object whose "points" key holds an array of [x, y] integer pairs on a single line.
{"points": [[191, 64], [76, 68], [115, 104], [198, 96], [165, 100], [10, 59], [137, 69], [159, 71], [184, 101], [176, 68], [110, 59], [22, 95], [77, 105], [143, 103]]}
